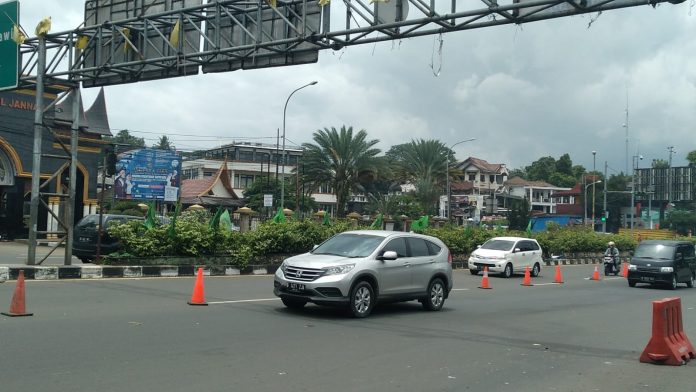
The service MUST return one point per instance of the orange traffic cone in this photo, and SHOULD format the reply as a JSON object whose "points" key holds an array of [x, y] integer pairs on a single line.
{"points": [[484, 281], [17, 308], [595, 274], [198, 296], [624, 270], [559, 277], [527, 277]]}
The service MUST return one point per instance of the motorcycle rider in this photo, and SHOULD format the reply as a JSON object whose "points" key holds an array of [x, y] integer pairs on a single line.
{"points": [[613, 252]]}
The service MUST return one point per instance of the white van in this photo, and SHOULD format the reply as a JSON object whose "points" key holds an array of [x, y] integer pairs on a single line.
{"points": [[507, 256]]}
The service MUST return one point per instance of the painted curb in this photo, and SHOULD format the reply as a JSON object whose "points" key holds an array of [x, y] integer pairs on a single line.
{"points": [[35, 272]]}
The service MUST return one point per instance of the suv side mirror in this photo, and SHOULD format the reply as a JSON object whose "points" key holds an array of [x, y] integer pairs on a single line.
{"points": [[315, 246], [388, 255], [678, 256], [478, 246], [516, 250]]}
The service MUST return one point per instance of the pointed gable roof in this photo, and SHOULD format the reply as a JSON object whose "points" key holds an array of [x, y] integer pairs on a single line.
{"points": [[94, 120], [484, 166], [195, 191]]}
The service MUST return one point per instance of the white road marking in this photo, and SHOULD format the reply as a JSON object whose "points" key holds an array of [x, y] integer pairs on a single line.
{"points": [[243, 300], [546, 284], [460, 289]]}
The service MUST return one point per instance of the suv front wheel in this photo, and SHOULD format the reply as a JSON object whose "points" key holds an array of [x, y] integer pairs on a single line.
{"points": [[362, 299], [436, 295]]}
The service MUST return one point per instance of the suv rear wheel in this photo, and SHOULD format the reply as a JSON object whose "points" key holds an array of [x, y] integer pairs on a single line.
{"points": [[535, 270], [436, 295], [362, 299], [692, 280], [507, 272]]}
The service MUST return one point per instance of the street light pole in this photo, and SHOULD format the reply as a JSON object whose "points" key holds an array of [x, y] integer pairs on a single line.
{"points": [[282, 157], [594, 171], [636, 158], [449, 209]]}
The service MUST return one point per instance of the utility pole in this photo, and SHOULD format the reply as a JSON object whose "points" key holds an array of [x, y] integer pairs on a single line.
{"points": [[669, 175], [604, 206]]}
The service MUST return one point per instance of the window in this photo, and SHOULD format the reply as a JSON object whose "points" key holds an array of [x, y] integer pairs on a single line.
{"points": [[434, 249], [246, 155], [491, 178], [397, 245], [243, 181], [483, 178], [418, 247], [208, 173], [472, 177]]}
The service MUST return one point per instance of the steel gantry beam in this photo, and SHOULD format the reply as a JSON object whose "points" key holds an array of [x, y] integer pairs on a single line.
{"points": [[191, 36]]}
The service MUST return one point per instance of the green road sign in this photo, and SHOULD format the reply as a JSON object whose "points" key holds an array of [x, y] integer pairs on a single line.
{"points": [[9, 50]]}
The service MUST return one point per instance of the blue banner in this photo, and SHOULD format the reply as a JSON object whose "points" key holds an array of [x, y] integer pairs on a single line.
{"points": [[148, 174]]}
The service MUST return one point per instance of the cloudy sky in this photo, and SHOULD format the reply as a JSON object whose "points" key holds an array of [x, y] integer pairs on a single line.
{"points": [[541, 89]]}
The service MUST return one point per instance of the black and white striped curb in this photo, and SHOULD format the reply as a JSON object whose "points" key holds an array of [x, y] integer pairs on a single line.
{"points": [[98, 271]]}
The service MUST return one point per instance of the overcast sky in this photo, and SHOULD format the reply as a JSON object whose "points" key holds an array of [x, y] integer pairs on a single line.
{"points": [[541, 89]]}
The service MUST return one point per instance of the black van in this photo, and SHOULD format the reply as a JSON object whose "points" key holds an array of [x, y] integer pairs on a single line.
{"points": [[86, 231], [663, 262]]}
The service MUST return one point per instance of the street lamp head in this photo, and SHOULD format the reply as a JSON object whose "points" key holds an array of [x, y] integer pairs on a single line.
{"points": [[313, 83], [594, 152]]}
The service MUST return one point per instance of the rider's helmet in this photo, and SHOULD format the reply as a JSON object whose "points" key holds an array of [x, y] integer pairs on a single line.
{"points": [[611, 243]]}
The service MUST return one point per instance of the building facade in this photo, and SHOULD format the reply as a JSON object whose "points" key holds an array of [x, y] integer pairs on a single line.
{"points": [[16, 158]]}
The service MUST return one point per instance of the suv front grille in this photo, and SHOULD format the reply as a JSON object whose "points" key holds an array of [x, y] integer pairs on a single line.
{"points": [[302, 274]]}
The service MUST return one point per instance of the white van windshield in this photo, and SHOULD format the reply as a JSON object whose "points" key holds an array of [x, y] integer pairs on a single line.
{"points": [[655, 251], [498, 245]]}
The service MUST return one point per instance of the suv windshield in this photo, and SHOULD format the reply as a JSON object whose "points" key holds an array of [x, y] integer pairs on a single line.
{"points": [[654, 251], [498, 245], [349, 245], [88, 221]]}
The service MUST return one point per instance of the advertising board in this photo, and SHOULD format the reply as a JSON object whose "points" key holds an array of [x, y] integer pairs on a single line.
{"points": [[148, 174]]}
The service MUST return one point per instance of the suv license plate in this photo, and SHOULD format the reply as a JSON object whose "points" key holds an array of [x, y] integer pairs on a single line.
{"points": [[84, 239], [647, 278], [296, 287]]}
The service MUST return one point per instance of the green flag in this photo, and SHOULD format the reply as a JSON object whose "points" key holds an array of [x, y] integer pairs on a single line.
{"points": [[377, 224], [225, 221], [468, 231], [420, 224], [327, 219], [150, 216], [172, 223], [279, 216], [215, 220], [529, 227]]}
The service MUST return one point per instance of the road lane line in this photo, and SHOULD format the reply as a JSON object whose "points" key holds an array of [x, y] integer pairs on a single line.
{"points": [[242, 301], [546, 284], [460, 289]]}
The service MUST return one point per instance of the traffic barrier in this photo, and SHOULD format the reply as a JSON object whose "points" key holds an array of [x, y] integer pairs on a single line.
{"points": [[484, 280], [624, 270], [559, 277], [595, 274], [198, 296], [527, 277], [17, 307], [668, 344]]}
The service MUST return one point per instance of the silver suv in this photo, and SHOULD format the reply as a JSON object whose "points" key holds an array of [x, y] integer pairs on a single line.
{"points": [[359, 268]]}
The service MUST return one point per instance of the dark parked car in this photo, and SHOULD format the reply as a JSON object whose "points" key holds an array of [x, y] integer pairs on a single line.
{"points": [[663, 262], [86, 231]]}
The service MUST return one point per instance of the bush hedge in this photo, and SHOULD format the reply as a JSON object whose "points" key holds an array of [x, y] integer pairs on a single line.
{"points": [[195, 238]]}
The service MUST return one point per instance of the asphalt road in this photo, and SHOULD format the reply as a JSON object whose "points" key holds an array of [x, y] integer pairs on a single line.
{"points": [[140, 335]]}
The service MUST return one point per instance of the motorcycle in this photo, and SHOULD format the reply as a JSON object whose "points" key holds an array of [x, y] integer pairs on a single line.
{"points": [[612, 265]]}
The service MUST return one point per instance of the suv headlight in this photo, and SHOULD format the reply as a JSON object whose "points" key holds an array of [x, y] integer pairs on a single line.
{"points": [[666, 269], [338, 269], [282, 267], [632, 267]]}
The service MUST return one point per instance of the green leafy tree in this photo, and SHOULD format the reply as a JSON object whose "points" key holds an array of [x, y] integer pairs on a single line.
{"points": [[660, 164], [541, 169], [339, 158], [562, 180], [681, 221], [691, 157], [125, 141], [164, 144], [564, 165]]}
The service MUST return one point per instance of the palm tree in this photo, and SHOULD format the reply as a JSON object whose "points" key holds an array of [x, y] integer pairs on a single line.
{"points": [[340, 159], [424, 164]]}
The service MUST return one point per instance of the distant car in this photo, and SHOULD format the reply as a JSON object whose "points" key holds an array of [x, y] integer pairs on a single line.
{"points": [[507, 256], [86, 232], [663, 262], [357, 269]]}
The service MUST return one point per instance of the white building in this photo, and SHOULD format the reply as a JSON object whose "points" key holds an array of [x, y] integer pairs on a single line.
{"points": [[539, 193]]}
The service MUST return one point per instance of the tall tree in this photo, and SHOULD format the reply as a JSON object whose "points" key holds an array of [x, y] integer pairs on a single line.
{"points": [[691, 157], [660, 164], [164, 144], [541, 169], [339, 158], [126, 141]]}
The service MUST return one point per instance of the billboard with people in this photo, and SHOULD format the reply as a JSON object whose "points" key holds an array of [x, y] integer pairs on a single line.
{"points": [[148, 174]]}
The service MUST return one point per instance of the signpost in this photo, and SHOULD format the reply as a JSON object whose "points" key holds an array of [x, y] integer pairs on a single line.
{"points": [[9, 50]]}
